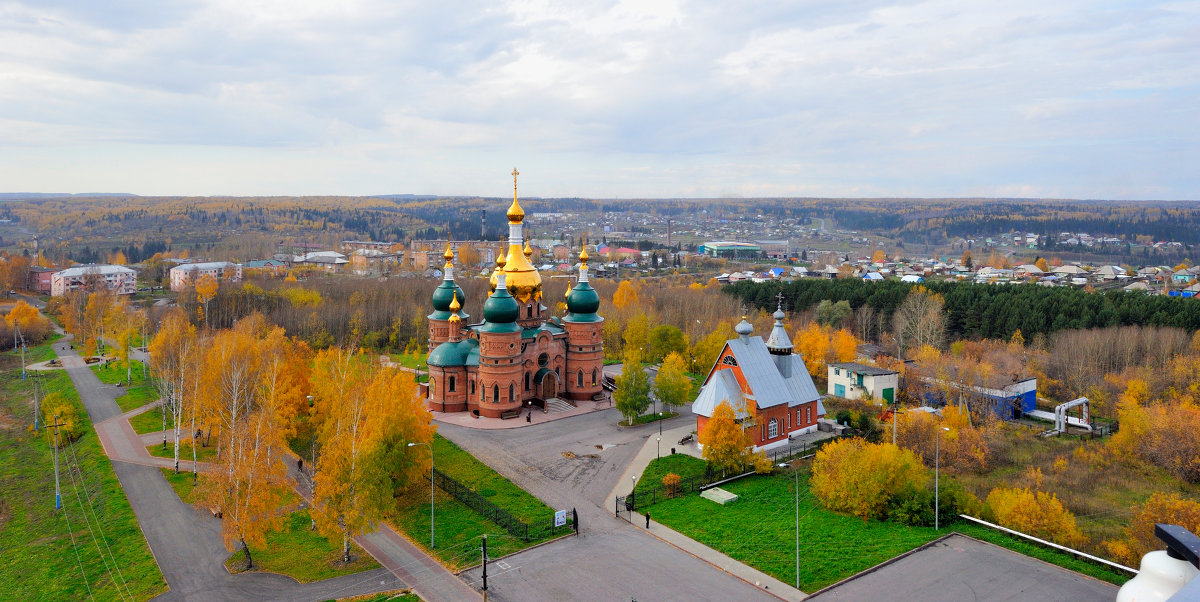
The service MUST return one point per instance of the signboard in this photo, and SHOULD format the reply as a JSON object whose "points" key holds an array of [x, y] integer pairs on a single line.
{"points": [[560, 518]]}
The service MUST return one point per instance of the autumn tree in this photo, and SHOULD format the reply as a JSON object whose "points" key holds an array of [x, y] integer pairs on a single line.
{"points": [[353, 483], [637, 334], [705, 351], [625, 296], [468, 256], [1041, 264], [666, 339], [672, 386], [1037, 513], [170, 352], [206, 289], [920, 320], [25, 317], [632, 395], [1162, 507], [828, 313], [861, 478], [726, 443], [812, 343]]}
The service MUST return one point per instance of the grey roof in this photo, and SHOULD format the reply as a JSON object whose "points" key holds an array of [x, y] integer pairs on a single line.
{"points": [[770, 388], [863, 369], [723, 386]]}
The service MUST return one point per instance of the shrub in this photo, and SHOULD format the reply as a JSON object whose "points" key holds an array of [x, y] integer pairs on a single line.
{"points": [[861, 478], [54, 406], [1139, 538], [1040, 514], [671, 482]]}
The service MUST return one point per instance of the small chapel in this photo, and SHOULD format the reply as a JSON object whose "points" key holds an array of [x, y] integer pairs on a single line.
{"points": [[518, 355], [765, 383]]}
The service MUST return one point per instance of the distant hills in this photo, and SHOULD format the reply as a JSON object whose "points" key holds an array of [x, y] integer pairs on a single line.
{"points": [[29, 196]]}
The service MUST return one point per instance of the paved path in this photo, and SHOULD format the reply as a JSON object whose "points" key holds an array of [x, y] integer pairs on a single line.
{"points": [[185, 543], [577, 462]]}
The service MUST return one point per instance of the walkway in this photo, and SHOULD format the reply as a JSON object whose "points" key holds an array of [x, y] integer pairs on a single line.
{"points": [[187, 544], [649, 452]]}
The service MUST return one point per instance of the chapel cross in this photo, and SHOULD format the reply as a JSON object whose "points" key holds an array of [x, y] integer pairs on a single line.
{"points": [[515, 173]]}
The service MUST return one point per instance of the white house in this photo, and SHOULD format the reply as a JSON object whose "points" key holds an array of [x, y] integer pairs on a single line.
{"points": [[854, 381], [187, 273], [118, 278]]}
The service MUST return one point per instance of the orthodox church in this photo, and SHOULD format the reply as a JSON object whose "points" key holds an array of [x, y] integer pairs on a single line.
{"points": [[518, 355], [765, 383]]}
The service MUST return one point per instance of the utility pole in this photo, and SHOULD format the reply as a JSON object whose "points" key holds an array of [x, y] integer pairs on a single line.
{"points": [[57, 490], [485, 567]]}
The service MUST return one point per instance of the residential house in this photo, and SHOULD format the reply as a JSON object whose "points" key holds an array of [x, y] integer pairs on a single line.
{"points": [[117, 278], [191, 273], [852, 380]]}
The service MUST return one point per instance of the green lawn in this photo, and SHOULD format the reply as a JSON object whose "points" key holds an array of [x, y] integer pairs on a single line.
{"points": [[394, 596], [113, 373], [759, 529], [39, 560], [681, 464], [139, 391], [415, 362], [136, 397], [150, 421], [203, 454], [647, 418], [458, 528], [297, 551]]}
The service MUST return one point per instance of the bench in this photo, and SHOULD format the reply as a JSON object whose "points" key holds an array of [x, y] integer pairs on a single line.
{"points": [[686, 439], [505, 415]]}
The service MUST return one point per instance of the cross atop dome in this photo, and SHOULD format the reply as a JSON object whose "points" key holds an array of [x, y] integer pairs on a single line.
{"points": [[515, 214]]}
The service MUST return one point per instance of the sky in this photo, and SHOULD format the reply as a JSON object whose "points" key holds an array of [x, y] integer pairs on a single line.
{"points": [[627, 99]]}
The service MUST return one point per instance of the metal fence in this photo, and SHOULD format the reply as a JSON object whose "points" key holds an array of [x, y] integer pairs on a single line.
{"points": [[646, 496], [539, 529]]}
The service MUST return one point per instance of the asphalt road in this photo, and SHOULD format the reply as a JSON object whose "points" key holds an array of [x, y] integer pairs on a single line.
{"points": [[576, 462], [187, 543], [961, 568]]}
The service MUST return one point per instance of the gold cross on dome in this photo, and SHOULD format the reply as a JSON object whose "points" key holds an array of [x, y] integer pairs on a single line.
{"points": [[515, 173]]}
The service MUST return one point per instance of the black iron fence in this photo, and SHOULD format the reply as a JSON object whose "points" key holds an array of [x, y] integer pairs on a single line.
{"points": [[529, 531]]}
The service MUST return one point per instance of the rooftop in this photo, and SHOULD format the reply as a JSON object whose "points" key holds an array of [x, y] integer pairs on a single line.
{"points": [[863, 369]]}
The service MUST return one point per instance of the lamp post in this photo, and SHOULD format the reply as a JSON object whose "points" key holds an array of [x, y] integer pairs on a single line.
{"points": [[658, 442], [430, 490], [937, 440], [796, 473]]}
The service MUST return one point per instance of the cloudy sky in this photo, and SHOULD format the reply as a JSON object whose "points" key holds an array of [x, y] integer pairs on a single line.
{"points": [[644, 98]]}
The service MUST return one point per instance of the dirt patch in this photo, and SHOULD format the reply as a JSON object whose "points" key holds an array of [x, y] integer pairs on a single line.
{"points": [[5, 513], [8, 423], [568, 454]]}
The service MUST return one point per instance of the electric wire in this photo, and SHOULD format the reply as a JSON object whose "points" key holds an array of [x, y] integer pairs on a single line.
{"points": [[92, 507], [83, 511]]}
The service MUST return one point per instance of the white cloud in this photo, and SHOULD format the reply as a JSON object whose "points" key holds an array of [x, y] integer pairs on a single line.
{"points": [[619, 98]]}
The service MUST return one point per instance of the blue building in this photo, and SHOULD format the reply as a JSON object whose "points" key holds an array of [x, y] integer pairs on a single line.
{"points": [[1009, 403]]}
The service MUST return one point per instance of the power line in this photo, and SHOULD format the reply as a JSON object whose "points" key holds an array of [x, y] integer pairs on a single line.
{"points": [[79, 499], [92, 506], [66, 515]]}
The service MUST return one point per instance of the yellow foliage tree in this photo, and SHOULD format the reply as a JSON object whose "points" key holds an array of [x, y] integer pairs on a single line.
{"points": [[1041, 264], [1135, 424], [843, 346], [705, 351], [625, 296], [1139, 538], [1040, 514], [726, 443], [812, 343], [860, 478]]}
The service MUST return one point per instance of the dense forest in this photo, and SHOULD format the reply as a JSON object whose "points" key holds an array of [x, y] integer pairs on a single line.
{"points": [[977, 311]]}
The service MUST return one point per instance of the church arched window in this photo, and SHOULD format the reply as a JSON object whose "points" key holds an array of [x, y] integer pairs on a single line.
{"points": [[510, 393], [773, 429], [593, 377], [526, 381], [451, 384], [579, 378], [496, 393]]}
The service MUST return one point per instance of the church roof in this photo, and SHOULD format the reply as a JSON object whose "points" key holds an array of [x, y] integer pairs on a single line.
{"points": [[723, 386], [462, 353], [766, 379]]}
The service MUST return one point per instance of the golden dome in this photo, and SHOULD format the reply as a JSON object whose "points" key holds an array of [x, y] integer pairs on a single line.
{"points": [[454, 307], [515, 213], [448, 255], [520, 277], [500, 260], [583, 256], [528, 250]]}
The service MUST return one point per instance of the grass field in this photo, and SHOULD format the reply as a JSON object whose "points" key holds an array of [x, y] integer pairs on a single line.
{"points": [[139, 391], [40, 560], [203, 454], [414, 362], [150, 421], [646, 419], [297, 551], [458, 528], [759, 529]]}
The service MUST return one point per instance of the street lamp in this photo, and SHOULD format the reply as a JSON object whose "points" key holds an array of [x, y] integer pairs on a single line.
{"points": [[937, 439], [658, 442], [430, 490], [797, 475]]}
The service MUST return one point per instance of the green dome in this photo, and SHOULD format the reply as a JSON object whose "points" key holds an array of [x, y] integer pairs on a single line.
{"points": [[453, 354], [583, 299], [443, 295], [501, 308]]}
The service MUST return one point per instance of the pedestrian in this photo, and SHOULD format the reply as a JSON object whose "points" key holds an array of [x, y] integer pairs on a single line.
{"points": [[647, 520]]}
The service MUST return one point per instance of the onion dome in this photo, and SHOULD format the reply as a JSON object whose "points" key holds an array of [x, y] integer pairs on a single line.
{"points": [[744, 329], [583, 301], [501, 310], [454, 307], [528, 252], [515, 214], [779, 343], [448, 255], [446, 292]]}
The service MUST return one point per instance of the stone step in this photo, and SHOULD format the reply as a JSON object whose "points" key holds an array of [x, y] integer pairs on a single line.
{"points": [[558, 405]]}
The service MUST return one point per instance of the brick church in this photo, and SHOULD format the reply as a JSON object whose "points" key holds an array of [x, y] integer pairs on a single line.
{"points": [[519, 355], [765, 383]]}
